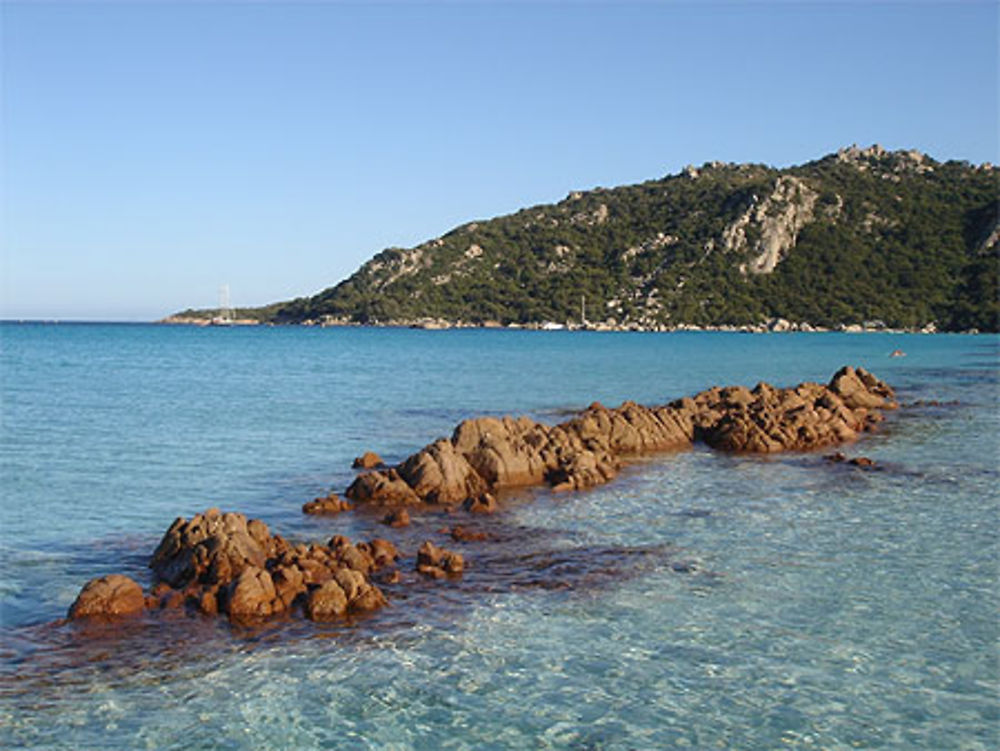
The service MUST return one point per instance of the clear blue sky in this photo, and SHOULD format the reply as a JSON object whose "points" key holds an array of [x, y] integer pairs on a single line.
{"points": [[152, 152]]}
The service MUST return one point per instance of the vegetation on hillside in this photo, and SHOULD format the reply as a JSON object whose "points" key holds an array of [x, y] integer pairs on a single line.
{"points": [[860, 235]]}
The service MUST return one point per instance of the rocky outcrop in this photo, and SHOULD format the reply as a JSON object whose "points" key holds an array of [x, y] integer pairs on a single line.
{"points": [[776, 221], [809, 416], [225, 563], [212, 548], [486, 454], [217, 562], [108, 596]]}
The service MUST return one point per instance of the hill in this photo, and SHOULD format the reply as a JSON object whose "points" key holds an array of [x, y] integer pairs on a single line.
{"points": [[860, 235]]}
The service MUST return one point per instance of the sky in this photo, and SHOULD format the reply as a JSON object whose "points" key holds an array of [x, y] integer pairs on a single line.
{"points": [[153, 152]]}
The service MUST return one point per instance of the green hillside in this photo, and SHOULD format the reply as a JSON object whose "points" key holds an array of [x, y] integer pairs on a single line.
{"points": [[861, 235]]}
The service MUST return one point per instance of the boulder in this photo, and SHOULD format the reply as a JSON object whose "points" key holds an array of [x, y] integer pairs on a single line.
{"points": [[252, 595], [326, 601], [328, 505], [437, 562], [210, 548], [484, 503], [461, 534], [108, 596], [440, 474], [397, 518], [382, 487], [368, 460]]}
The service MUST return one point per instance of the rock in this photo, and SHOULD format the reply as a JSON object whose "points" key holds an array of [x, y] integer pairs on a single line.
{"points": [[862, 461], [252, 595], [484, 503], [461, 534], [326, 601], [382, 487], [208, 601], [361, 594], [290, 582], [397, 518], [108, 596], [331, 504], [172, 600], [223, 562], [440, 474], [380, 552], [489, 453], [368, 460], [210, 548], [438, 562], [351, 556]]}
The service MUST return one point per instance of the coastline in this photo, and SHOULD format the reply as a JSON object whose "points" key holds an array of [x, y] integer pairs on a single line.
{"points": [[770, 326]]}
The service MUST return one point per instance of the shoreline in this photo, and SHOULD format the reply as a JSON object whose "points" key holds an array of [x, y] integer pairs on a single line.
{"points": [[772, 326]]}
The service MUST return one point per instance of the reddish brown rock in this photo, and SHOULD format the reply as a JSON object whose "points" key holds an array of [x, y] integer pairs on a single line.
{"points": [[108, 596], [252, 595], [290, 582], [488, 453], [484, 503], [211, 548], [326, 601], [329, 505], [368, 460], [461, 534], [397, 518], [438, 562], [382, 552], [382, 487], [440, 474], [223, 562]]}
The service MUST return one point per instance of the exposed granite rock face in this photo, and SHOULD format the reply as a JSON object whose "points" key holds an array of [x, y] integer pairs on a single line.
{"points": [[777, 221], [108, 596], [490, 453]]}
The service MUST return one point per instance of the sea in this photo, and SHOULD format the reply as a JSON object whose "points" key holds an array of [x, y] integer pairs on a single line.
{"points": [[699, 600]]}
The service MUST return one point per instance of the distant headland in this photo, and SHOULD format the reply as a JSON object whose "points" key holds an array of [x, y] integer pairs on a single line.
{"points": [[860, 240]]}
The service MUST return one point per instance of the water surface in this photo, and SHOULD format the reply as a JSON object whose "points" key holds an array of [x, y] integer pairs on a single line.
{"points": [[699, 600]]}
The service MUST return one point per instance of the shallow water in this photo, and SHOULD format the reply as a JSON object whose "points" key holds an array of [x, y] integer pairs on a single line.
{"points": [[699, 600]]}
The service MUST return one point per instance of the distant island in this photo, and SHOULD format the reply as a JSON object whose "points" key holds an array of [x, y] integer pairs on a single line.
{"points": [[864, 239]]}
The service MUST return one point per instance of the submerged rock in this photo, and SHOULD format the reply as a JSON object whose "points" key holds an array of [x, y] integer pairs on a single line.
{"points": [[437, 562], [398, 518]]}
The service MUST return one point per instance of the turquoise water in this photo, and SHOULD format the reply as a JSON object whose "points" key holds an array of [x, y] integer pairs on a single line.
{"points": [[698, 601]]}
